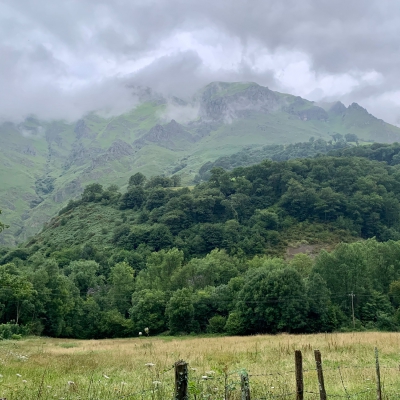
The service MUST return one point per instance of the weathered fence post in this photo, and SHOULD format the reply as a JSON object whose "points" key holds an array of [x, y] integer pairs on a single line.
{"points": [[378, 377], [318, 362], [245, 385], [181, 380], [298, 359]]}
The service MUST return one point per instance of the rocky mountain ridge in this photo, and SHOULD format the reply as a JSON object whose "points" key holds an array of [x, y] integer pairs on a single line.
{"points": [[45, 163]]}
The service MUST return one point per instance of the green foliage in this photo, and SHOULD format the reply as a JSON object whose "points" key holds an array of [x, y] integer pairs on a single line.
{"points": [[216, 324], [272, 301], [148, 310], [180, 312], [211, 258], [12, 331]]}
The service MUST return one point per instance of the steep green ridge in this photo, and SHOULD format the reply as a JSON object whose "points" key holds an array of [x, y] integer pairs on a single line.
{"points": [[111, 263], [45, 163]]}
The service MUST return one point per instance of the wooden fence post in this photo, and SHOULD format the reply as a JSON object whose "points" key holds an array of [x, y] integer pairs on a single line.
{"points": [[181, 380], [378, 377], [318, 362], [245, 385], [298, 359]]}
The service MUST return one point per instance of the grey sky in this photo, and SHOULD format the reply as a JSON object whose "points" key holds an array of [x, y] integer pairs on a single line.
{"points": [[60, 59]]}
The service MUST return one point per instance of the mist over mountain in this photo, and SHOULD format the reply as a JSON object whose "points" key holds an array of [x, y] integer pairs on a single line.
{"points": [[44, 163]]}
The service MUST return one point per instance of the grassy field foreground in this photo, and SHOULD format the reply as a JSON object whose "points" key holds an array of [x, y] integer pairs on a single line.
{"points": [[44, 368]]}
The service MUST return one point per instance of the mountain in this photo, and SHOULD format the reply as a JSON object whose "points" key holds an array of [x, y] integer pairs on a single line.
{"points": [[46, 163]]}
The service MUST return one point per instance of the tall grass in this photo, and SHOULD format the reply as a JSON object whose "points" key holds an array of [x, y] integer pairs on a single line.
{"points": [[43, 368]]}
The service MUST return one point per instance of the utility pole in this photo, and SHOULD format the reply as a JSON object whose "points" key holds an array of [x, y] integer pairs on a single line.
{"points": [[352, 308]]}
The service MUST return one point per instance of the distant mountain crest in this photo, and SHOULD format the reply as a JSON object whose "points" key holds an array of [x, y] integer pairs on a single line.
{"points": [[159, 136]]}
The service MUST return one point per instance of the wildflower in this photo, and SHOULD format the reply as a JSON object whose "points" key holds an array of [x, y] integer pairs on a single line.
{"points": [[19, 375], [156, 383], [71, 383], [105, 376], [140, 333], [24, 380], [147, 331], [149, 365], [204, 377]]}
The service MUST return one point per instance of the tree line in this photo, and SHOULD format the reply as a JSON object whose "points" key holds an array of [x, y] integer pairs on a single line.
{"points": [[210, 259]]}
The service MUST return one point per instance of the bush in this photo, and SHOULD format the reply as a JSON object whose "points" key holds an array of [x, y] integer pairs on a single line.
{"points": [[16, 337], [216, 324], [234, 325], [12, 331]]}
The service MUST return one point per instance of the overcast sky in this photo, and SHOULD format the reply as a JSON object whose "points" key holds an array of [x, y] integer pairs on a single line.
{"points": [[63, 58]]}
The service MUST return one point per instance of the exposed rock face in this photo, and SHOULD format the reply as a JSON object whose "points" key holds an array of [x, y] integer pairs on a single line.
{"points": [[220, 102], [80, 155], [29, 150], [172, 136], [82, 130], [116, 151], [69, 191], [357, 107], [305, 110], [119, 149], [313, 113], [338, 108]]}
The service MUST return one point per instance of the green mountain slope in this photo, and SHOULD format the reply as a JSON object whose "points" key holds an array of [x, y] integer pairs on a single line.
{"points": [[45, 163], [111, 262]]}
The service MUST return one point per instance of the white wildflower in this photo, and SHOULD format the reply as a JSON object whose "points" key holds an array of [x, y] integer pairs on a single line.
{"points": [[149, 365], [140, 333], [105, 376], [156, 383], [19, 375], [147, 331], [24, 380], [71, 383], [204, 377]]}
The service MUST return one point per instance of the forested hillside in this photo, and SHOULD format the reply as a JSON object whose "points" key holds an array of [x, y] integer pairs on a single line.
{"points": [[211, 258], [45, 162]]}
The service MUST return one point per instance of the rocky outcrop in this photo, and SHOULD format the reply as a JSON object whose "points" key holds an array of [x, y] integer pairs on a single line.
{"points": [[338, 108], [68, 191], [226, 102], [82, 130], [172, 136], [29, 150], [313, 113], [81, 155], [116, 151]]}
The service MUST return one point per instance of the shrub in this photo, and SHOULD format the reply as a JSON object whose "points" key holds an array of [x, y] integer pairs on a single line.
{"points": [[216, 324]]}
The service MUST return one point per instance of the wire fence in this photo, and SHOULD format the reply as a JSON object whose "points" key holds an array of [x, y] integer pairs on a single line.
{"points": [[299, 383], [180, 382]]}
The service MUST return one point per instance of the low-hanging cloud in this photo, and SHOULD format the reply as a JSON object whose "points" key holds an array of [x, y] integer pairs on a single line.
{"points": [[64, 59]]}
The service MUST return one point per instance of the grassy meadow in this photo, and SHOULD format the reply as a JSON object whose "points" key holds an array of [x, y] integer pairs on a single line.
{"points": [[45, 368]]}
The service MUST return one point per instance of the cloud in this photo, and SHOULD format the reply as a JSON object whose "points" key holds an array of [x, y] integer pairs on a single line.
{"points": [[62, 59]]}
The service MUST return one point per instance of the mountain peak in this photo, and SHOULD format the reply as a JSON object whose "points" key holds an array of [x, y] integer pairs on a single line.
{"points": [[338, 108]]}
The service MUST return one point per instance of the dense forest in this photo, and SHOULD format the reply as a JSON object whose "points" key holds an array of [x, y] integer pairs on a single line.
{"points": [[277, 152], [212, 258]]}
